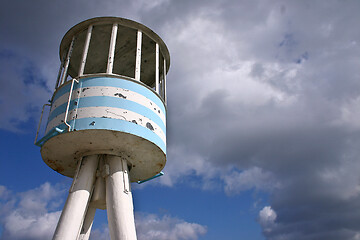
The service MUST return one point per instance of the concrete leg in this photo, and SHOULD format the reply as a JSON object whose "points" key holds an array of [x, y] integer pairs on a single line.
{"points": [[119, 200], [88, 221], [98, 198], [76, 204]]}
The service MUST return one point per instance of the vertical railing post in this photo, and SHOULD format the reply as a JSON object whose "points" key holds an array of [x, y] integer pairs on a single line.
{"points": [[85, 51], [138, 56], [68, 56], [157, 85], [60, 71], [164, 82], [110, 62]]}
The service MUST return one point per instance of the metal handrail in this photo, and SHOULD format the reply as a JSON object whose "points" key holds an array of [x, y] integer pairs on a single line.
{"points": [[42, 112], [68, 104]]}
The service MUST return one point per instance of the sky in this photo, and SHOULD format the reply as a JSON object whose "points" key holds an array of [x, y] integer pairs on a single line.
{"points": [[263, 119]]}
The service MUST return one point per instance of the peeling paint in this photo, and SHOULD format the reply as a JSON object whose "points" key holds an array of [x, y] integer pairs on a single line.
{"points": [[134, 121], [120, 95], [149, 126], [92, 123], [116, 114]]}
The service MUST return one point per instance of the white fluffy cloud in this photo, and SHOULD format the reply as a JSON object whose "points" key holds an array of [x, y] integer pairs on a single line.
{"points": [[267, 217], [151, 227], [154, 227], [264, 92], [34, 215], [30, 215]]}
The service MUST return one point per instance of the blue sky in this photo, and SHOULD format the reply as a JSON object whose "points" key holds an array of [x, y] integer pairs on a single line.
{"points": [[263, 109]]}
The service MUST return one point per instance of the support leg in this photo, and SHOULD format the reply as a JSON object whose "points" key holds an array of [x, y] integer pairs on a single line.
{"points": [[119, 200], [76, 204], [88, 221]]}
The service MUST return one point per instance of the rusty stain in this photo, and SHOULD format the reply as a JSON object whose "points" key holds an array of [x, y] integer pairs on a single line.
{"points": [[59, 169], [55, 166]]}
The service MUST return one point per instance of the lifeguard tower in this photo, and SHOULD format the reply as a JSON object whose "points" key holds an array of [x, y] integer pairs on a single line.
{"points": [[107, 121]]}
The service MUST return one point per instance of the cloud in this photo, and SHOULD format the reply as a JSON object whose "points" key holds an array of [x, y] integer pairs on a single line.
{"points": [[23, 90], [261, 94], [34, 214], [100, 233], [267, 217], [253, 178], [269, 99], [30, 215], [151, 226]]}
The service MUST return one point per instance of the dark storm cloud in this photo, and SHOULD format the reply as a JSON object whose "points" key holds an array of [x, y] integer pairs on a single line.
{"points": [[293, 126], [264, 92]]}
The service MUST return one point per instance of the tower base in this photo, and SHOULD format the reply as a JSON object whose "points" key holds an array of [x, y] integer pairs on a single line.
{"points": [[77, 216]]}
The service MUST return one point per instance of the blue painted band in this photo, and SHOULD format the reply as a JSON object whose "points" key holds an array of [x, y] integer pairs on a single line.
{"points": [[55, 131], [116, 125], [104, 101], [153, 177], [112, 82]]}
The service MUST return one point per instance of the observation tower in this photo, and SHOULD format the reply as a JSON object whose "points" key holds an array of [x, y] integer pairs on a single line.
{"points": [[107, 121]]}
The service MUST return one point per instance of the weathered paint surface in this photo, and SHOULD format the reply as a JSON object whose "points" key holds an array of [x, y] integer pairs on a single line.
{"points": [[99, 100], [76, 205], [120, 209], [106, 128], [107, 115]]}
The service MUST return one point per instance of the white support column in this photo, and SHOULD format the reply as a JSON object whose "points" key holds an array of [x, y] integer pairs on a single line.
{"points": [[67, 61], [157, 86], [119, 200], [88, 222], [110, 62], [98, 198], [76, 204], [164, 79], [138, 56], [85, 51]]}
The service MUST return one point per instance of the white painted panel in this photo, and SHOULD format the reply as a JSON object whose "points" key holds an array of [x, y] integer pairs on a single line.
{"points": [[108, 112], [113, 92]]}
